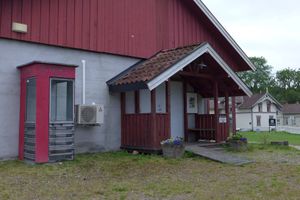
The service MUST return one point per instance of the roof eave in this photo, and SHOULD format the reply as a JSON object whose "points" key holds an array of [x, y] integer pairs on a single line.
{"points": [[205, 48], [223, 31]]}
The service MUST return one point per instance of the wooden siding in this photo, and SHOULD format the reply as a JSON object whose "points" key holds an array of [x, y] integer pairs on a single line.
{"points": [[206, 128], [137, 132], [206, 123], [127, 27]]}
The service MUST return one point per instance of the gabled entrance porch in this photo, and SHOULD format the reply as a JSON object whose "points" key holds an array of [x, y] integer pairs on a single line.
{"points": [[166, 96]]}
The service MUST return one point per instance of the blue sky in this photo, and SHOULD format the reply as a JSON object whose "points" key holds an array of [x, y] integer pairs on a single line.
{"points": [[269, 28]]}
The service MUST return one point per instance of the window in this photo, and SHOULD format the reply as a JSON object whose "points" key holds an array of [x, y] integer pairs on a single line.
{"points": [[286, 121], [145, 101], [161, 98], [258, 120], [130, 102], [62, 100], [268, 106], [30, 100], [260, 107]]}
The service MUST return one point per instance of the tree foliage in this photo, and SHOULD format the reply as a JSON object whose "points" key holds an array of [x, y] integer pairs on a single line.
{"points": [[284, 85], [260, 79]]}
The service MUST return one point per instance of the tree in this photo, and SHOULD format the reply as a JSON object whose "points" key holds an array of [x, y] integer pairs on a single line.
{"points": [[260, 79], [287, 88]]}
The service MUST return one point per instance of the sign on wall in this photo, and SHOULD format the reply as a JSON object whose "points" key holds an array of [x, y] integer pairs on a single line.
{"points": [[222, 120], [192, 103], [272, 122]]}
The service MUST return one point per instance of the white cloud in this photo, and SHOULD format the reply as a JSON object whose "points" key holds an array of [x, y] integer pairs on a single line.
{"points": [[263, 28]]}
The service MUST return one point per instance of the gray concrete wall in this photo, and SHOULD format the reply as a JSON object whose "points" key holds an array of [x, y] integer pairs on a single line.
{"points": [[100, 68]]}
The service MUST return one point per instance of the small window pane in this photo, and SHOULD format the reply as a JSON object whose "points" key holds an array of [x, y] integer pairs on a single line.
{"points": [[161, 98], [62, 100], [130, 103], [30, 100], [145, 101]]}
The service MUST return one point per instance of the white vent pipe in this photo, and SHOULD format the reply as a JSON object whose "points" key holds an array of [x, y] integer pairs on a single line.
{"points": [[83, 82]]}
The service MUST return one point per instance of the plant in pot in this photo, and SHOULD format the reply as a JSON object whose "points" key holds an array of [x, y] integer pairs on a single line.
{"points": [[173, 147], [238, 143]]}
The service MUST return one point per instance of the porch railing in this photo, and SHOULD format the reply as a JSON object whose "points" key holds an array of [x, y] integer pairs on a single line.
{"points": [[205, 126]]}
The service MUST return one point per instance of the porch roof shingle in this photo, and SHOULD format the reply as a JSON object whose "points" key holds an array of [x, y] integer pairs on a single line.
{"points": [[146, 70]]}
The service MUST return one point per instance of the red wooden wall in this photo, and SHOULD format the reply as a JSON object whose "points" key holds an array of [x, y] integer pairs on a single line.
{"points": [[137, 131], [137, 28]]}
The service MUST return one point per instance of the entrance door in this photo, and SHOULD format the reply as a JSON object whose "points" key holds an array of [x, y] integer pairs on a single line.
{"points": [[176, 103]]}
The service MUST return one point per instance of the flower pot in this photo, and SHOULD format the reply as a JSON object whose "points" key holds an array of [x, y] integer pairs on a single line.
{"points": [[172, 151], [238, 145]]}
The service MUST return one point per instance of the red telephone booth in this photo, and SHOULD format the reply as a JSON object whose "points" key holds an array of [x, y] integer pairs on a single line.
{"points": [[46, 112]]}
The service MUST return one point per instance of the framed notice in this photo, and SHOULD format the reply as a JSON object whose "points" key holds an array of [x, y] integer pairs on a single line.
{"points": [[192, 103]]}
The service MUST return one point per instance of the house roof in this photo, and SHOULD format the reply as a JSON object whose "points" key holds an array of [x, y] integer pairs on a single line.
{"points": [[150, 73], [249, 102], [148, 69], [291, 109]]}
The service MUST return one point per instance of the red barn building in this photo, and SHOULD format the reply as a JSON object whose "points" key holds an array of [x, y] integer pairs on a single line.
{"points": [[140, 71]]}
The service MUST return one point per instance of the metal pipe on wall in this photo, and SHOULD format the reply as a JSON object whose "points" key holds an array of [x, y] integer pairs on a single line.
{"points": [[83, 81]]}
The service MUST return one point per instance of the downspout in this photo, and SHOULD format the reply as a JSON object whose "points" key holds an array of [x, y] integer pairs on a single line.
{"points": [[83, 82], [252, 119]]}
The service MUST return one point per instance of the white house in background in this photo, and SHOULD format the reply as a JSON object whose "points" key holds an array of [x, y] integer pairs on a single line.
{"points": [[289, 115], [254, 112]]}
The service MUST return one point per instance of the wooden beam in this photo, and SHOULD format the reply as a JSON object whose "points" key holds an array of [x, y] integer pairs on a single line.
{"points": [[153, 119], [203, 75], [190, 74], [137, 101], [168, 107], [123, 112], [216, 107], [185, 118], [233, 115], [207, 105], [227, 113]]}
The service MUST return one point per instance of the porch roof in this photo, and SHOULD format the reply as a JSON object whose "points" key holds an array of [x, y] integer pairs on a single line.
{"points": [[150, 73]]}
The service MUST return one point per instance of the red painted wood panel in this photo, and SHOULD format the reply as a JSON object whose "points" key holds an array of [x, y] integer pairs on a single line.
{"points": [[35, 20], [70, 22], [62, 22], [137, 131], [126, 27], [78, 21], [45, 16], [16, 15], [26, 18], [207, 124], [53, 28]]}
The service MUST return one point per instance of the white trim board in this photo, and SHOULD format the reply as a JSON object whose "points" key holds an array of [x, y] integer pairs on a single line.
{"points": [[205, 48], [222, 30]]}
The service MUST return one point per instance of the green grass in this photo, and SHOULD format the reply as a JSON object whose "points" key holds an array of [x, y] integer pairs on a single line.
{"points": [[121, 175], [259, 137]]}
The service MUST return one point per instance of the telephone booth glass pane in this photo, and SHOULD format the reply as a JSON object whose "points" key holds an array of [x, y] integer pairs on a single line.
{"points": [[62, 92], [30, 100]]}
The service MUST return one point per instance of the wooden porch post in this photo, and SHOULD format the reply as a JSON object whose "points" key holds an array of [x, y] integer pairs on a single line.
{"points": [[137, 102], [227, 113], [153, 118], [233, 115], [208, 106], [185, 118], [168, 108], [123, 110], [216, 106]]}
